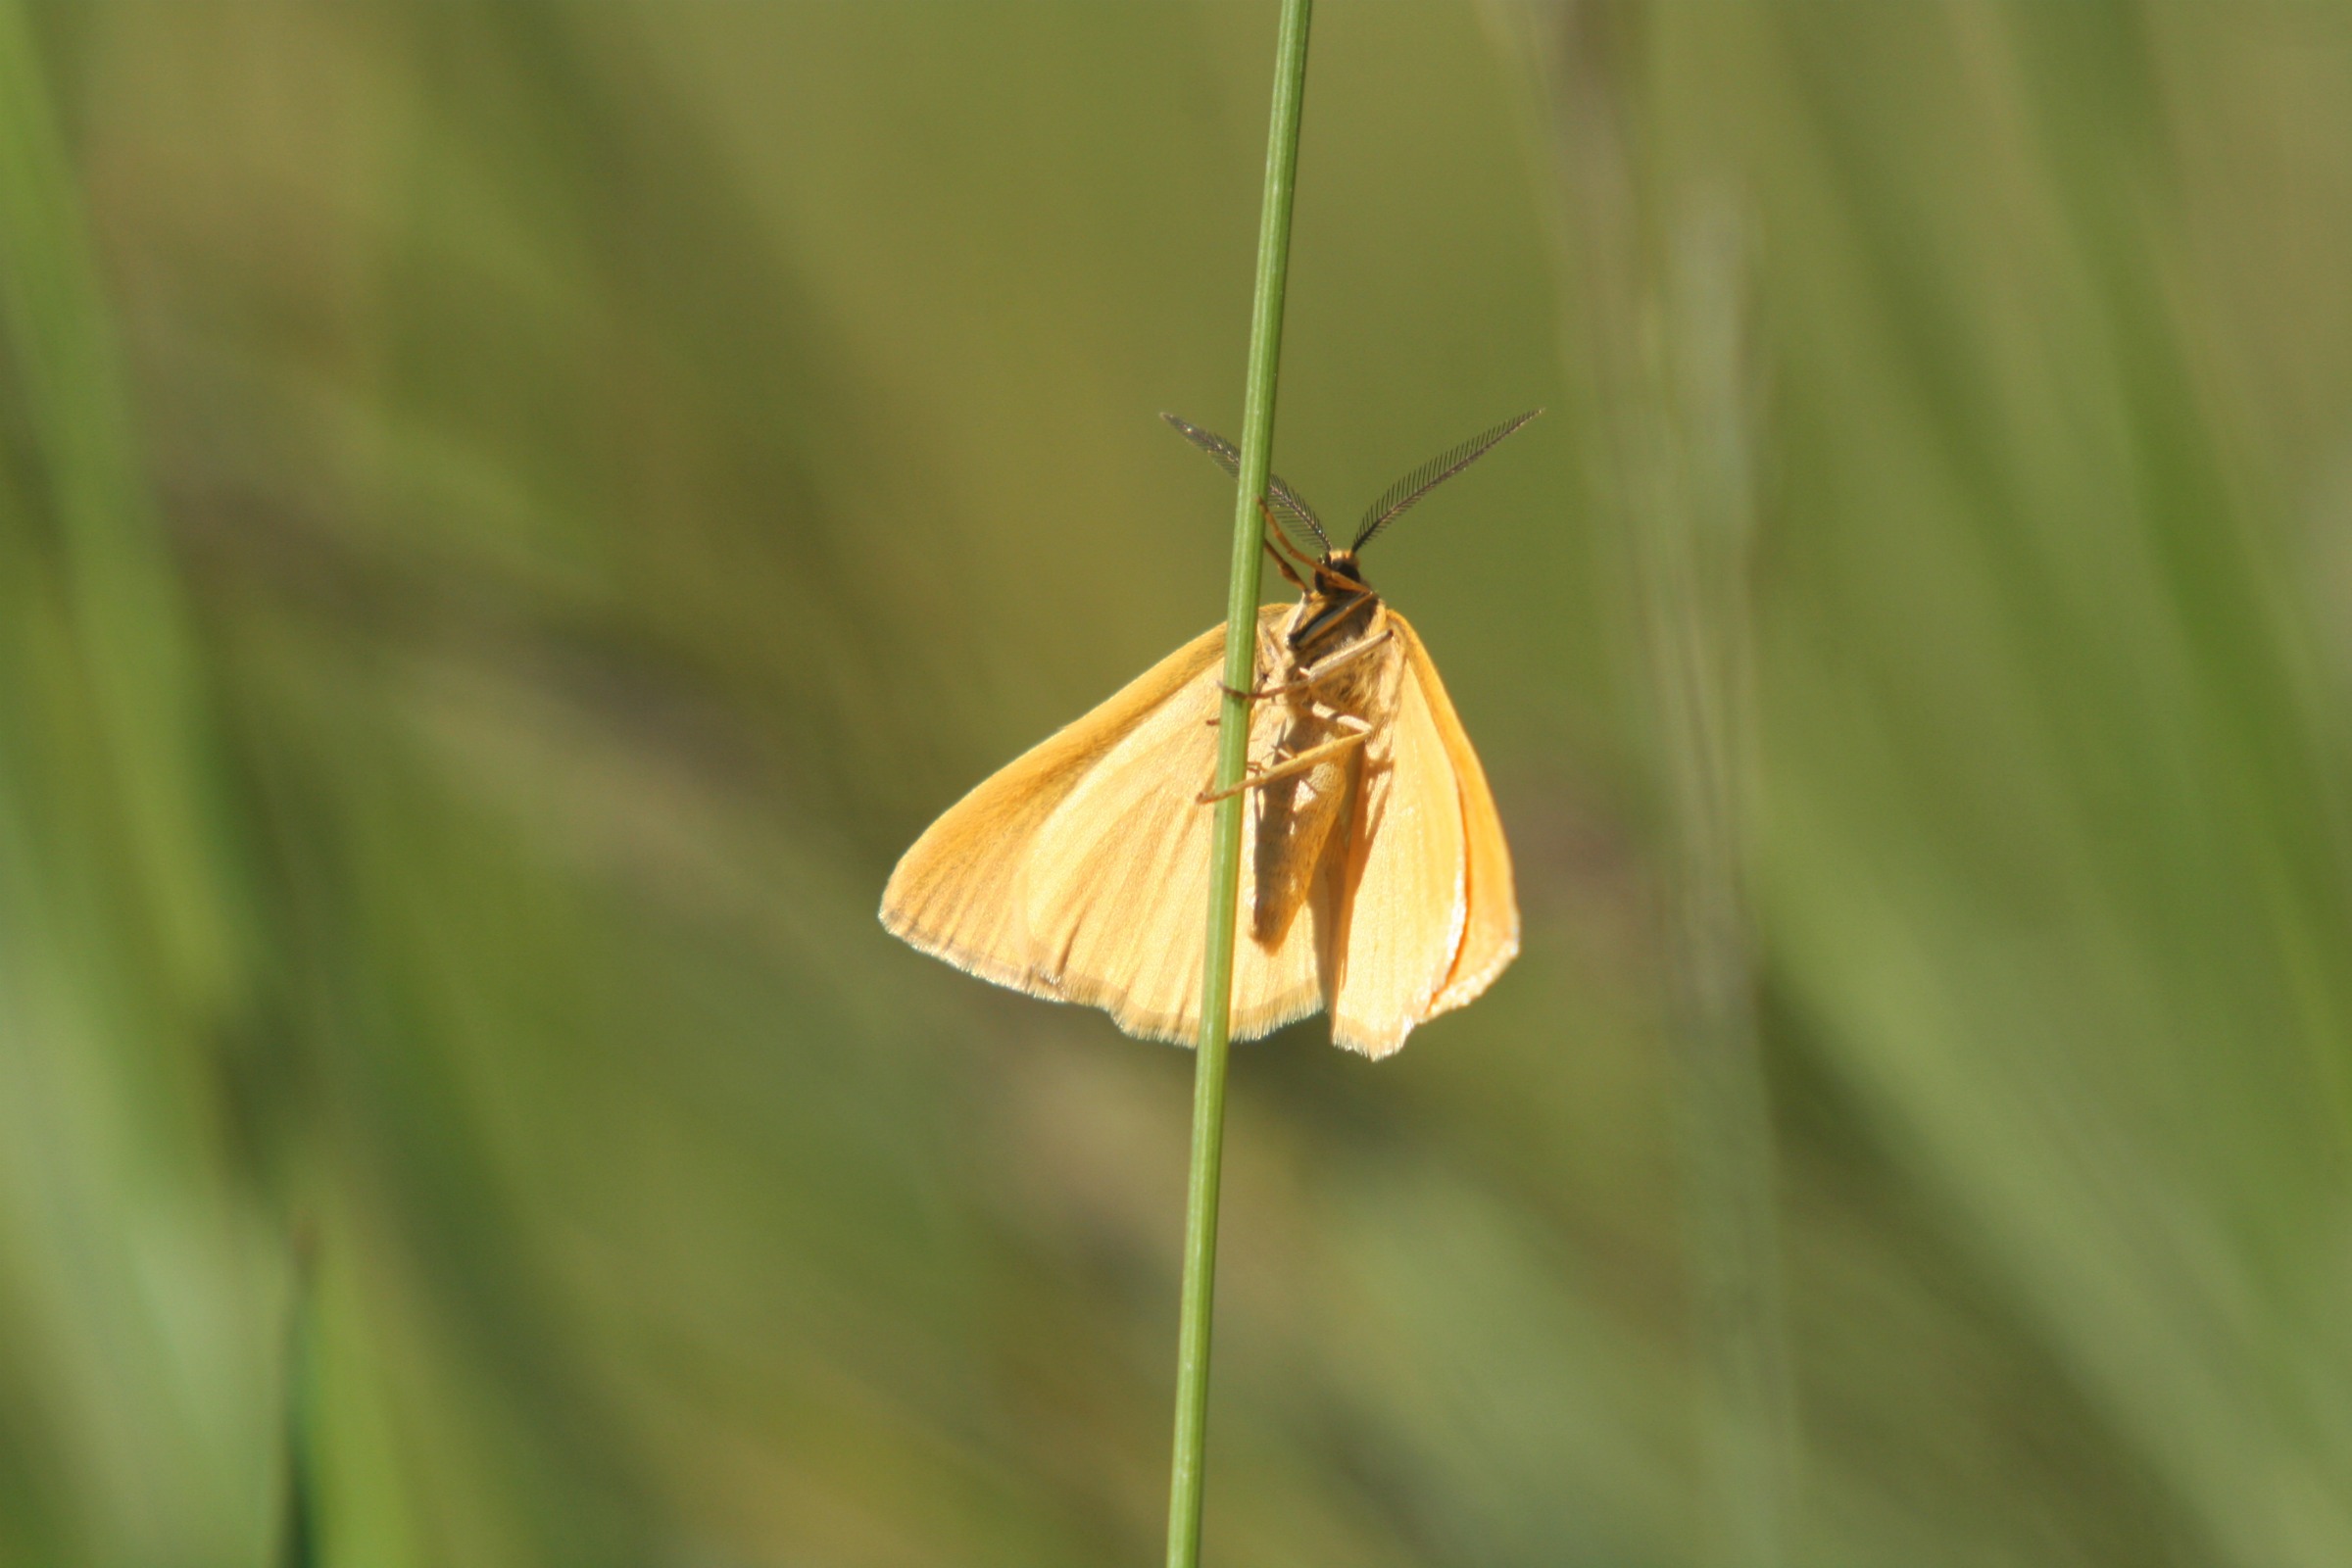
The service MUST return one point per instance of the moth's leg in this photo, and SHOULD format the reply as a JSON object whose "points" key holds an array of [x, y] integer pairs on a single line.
{"points": [[1358, 732], [1276, 542], [1336, 611], [1316, 673], [1267, 649], [1290, 573]]}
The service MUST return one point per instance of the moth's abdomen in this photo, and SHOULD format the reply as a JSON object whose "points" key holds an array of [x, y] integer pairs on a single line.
{"points": [[1297, 817]]}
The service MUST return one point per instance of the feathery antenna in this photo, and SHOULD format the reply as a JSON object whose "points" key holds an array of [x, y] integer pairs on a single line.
{"points": [[1427, 477], [1290, 508]]}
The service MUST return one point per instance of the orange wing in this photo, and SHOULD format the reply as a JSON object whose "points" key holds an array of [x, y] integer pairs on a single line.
{"points": [[1490, 923], [1402, 893], [953, 894], [1428, 915], [1079, 872]]}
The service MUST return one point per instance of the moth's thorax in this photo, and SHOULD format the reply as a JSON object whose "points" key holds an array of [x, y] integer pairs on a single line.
{"points": [[1320, 628], [1337, 609]]}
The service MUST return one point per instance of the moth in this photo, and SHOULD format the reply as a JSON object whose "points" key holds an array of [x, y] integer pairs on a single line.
{"points": [[1376, 882]]}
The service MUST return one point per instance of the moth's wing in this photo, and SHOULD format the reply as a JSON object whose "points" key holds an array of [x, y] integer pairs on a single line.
{"points": [[1403, 900], [1491, 925], [1117, 883], [957, 894]]}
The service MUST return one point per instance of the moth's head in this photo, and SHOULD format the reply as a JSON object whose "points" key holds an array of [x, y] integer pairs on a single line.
{"points": [[1337, 573], [1337, 601]]}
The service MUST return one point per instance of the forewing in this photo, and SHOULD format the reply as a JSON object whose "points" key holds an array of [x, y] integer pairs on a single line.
{"points": [[1116, 886], [957, 894], [1403, 897], [1491, 924]]}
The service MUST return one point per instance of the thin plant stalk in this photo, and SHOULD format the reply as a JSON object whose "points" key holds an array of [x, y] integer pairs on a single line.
{"points": [[1233, 746]]}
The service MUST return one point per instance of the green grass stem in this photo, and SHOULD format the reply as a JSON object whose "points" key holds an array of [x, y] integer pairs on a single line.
{"points": [[1233, 744]]}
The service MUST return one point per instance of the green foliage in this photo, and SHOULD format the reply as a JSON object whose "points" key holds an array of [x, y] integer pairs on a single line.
{"points": [[511, 517]]}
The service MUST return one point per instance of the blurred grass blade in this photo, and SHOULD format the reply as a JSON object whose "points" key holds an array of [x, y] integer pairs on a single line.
{"points": [[1691, 552], [130, 621], [1656, 331], [125, 943], [299, 1543]]}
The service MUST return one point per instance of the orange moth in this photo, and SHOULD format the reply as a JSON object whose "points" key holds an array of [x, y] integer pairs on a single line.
{"points": [[1375, 880]]}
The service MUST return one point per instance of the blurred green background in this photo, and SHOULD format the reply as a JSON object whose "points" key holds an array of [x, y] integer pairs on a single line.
{"points": [[512, 517]]}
